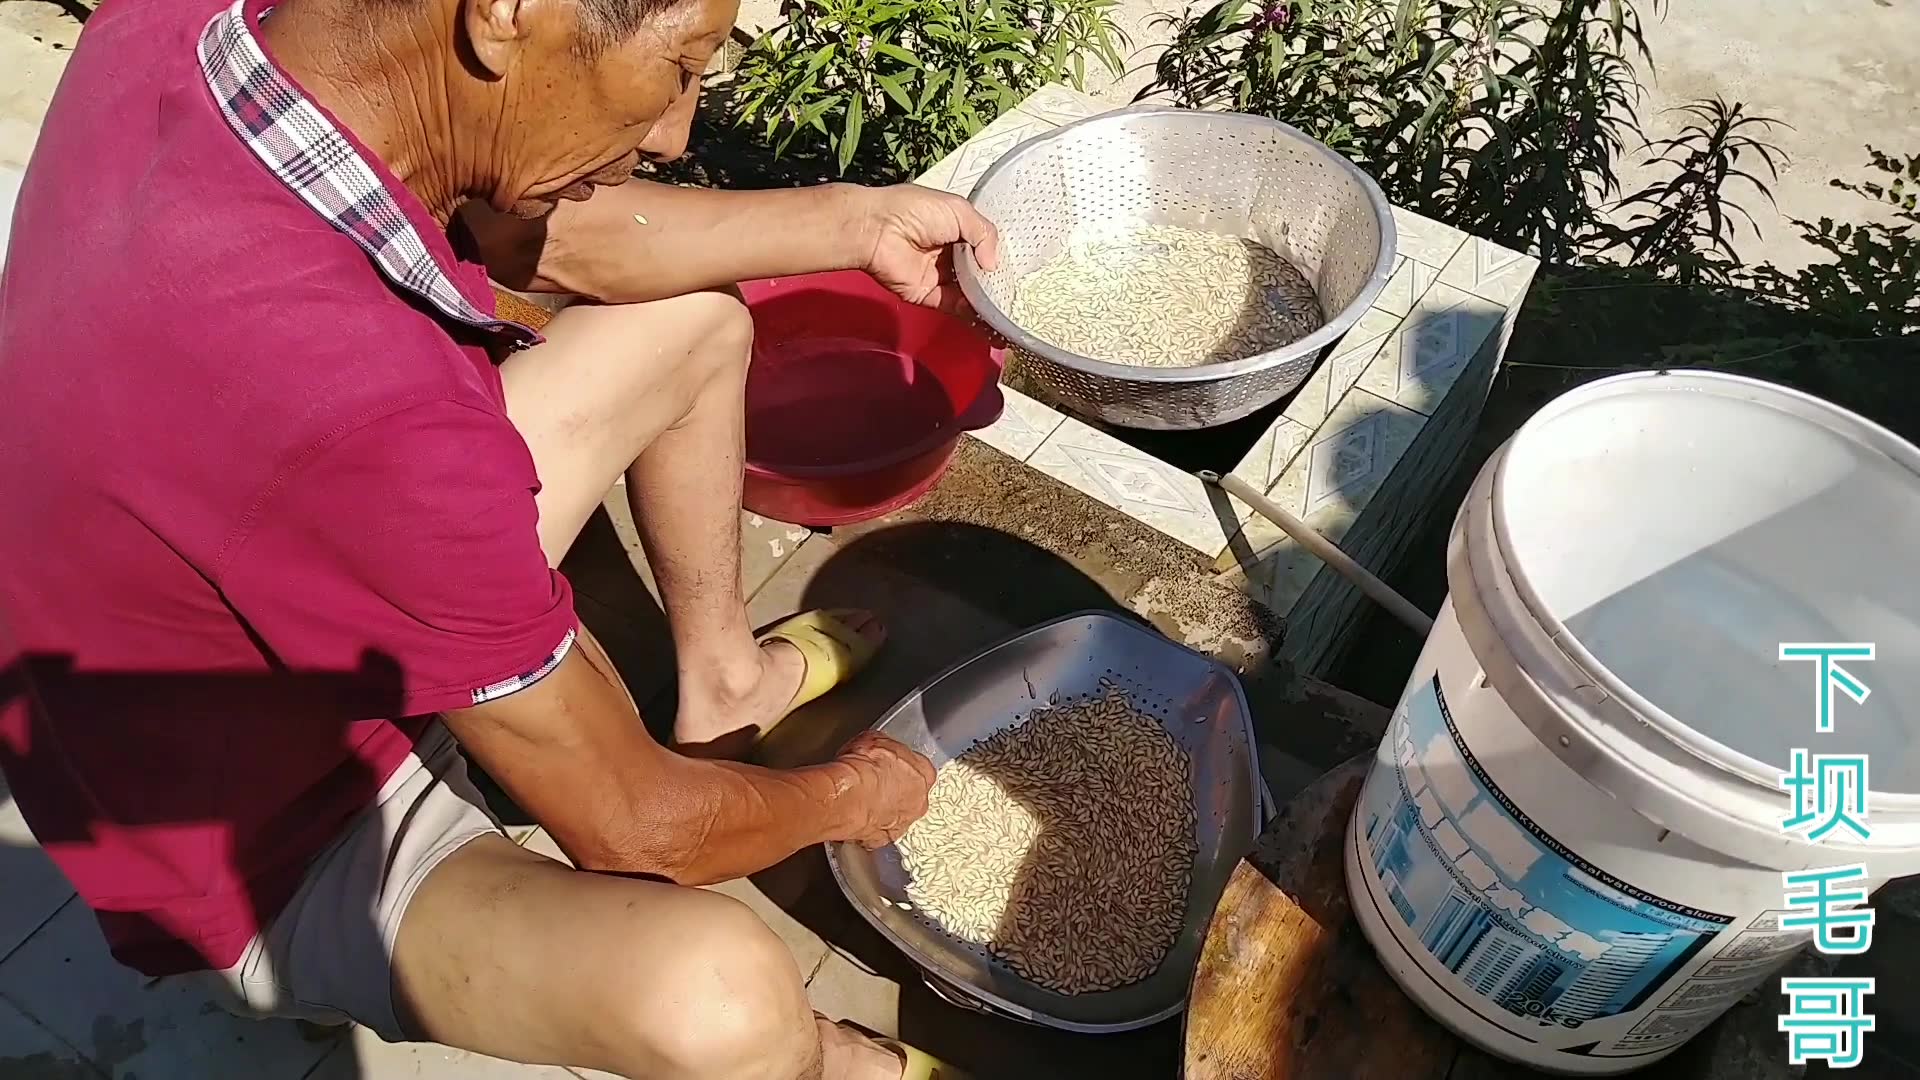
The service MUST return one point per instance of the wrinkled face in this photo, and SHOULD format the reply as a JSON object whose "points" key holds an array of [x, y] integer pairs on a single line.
{"points": [[571, 123]]}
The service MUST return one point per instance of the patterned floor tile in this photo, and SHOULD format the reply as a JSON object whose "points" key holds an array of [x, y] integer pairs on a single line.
{"points": [[1425, 239], [539, 840], [1269, 456], [1128, 480], [1327, 485], [1023, 425], [1410, 281], [977, 157], [1432, 347], [1489, 271], [1343, 364], [134, 1027]]}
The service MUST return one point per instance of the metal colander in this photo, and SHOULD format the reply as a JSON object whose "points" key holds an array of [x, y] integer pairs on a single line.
{"points": [[1200, 702], [1231, 173]]}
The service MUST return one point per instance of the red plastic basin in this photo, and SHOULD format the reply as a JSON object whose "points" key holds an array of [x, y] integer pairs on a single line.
{"points": [[856, 399]]}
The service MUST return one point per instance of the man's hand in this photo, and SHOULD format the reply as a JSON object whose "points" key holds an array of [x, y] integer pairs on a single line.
{"points": [[912, 231], [891, 783]]}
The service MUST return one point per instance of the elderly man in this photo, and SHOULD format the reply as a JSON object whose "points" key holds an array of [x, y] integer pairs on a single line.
{"points": [[284, 494]]}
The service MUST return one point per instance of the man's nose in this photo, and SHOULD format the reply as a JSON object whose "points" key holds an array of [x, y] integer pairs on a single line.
{"points": [[668, 138]]}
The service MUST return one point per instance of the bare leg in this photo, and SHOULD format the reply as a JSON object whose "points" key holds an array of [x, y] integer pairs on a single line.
{"points": [[657, 391], [685, 494], [508, 953]]}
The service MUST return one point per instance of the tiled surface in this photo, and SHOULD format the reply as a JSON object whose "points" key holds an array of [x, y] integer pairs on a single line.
{"points": [[1410, 280], [1487, 270], [765, 544], [1424, 239], [135, 1028], [1420, 362], [9, 192], [1449, 293], [1146, 488], [1023, 425], [1327, 485]]}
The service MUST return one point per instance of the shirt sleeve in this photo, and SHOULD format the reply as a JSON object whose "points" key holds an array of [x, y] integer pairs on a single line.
{"points": [[407, 549]]}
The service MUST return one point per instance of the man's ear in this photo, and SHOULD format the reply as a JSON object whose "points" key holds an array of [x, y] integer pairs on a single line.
{"points": [[497, 29]]}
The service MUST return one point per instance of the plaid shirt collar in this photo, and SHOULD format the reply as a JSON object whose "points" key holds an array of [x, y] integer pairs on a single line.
{"points": [[300, 144]]}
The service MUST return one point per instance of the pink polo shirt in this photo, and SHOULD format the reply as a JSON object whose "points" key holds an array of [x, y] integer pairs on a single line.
{"points": [[261, 509]]}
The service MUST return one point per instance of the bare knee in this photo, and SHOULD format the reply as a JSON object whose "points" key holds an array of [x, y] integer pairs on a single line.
{"points": [[723, 340], [729, 1003], [716, 332]]}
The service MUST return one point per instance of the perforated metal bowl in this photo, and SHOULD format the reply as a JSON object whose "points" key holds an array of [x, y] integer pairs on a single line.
{"points": [[1200, 702], [1229, 173]]}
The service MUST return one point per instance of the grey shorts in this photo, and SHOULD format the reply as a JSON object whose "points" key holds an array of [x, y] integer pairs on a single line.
{"points": [[327, 956]]}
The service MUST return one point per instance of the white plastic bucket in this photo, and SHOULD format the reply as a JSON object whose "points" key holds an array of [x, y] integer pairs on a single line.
{"points": [[1569, 848]]}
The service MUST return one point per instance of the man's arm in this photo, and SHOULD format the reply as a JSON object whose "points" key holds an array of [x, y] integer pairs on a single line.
{"points": [[646, 241], [572, 751]]}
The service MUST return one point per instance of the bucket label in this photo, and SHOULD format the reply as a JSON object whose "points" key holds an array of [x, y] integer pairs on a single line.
{"points": [[1532, 936]]}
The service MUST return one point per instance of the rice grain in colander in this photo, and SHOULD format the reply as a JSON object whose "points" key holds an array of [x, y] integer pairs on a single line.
{"points": [[1063, 846], [1161, 296]]}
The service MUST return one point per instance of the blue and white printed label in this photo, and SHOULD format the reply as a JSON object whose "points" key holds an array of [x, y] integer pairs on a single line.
{"points": [[1524, 932]]}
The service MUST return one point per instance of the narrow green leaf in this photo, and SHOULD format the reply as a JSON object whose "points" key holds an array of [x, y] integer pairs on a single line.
{"points": [[811, 115], [850, 133], [894, 90], [935, 80], [895, 52], [821, 57]]}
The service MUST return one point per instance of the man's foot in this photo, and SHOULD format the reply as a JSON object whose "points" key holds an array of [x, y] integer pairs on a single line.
{"points": [[846, 1054], [723, 713], [851, 1052]]}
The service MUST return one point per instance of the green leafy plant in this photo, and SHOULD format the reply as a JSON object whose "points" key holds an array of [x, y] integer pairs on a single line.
{"points": [[1503, 117], [1682, 225], [1845, 328], [898, 84], [1870, 285]]}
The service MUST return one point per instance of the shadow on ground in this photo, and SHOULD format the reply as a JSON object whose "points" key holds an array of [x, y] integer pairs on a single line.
{"points": [[65, 983], [946, 590]]}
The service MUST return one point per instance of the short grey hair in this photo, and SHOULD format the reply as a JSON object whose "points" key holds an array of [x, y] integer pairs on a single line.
{"points": [[606, 23]]}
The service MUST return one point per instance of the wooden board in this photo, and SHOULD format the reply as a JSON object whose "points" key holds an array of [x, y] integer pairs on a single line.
{"points": [[1287, 988]]}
